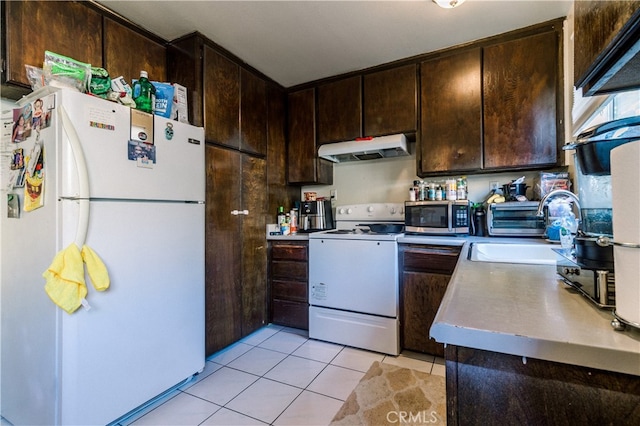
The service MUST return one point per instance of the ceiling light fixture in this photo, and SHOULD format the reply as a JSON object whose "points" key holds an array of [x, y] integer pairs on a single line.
{"points": [[448, 4]]}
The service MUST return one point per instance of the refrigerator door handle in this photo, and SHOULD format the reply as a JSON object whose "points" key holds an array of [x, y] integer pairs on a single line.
{"points": [[83, 178]]}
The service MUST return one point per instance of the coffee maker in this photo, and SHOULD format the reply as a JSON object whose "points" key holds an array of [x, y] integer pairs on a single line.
{"points": [[316, 216], [590, 268]]}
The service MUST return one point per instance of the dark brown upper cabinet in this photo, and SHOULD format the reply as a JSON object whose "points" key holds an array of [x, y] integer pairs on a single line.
{"points": [[607, 46], [340, 110], [304, 166], [221, 97], [390, 101], [495, 105], [32, 27], [451, 122], [228, 99], [127, 52], [521, 90], [253, 113]]}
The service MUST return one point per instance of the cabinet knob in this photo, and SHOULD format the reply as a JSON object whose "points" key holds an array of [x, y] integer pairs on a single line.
{"points": [[235, 212], [245, 212]]}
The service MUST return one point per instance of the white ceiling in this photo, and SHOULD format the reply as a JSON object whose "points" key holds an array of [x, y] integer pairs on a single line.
{"points": [[294, 42]]}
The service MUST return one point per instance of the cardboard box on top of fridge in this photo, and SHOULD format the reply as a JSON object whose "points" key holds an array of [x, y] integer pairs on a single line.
{"points": [[179, 108], [171, 101]]}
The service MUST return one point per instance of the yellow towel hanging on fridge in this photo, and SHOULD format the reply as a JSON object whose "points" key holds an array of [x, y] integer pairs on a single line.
{"points": [[65, 279], [95, 268]]}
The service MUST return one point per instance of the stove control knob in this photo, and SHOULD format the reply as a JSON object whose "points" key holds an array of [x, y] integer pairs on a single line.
{"points": [[393, 210], [370, 209], [349, 211]]}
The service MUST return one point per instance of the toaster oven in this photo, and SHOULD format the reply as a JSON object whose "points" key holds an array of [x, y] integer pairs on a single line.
{"points": [[517, 218]]}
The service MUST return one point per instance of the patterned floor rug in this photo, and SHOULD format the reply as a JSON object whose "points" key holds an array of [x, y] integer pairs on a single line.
{"points": [[392, 395]]}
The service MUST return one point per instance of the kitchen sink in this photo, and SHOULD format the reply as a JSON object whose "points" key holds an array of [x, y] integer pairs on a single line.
{"points": [[533, 254]]}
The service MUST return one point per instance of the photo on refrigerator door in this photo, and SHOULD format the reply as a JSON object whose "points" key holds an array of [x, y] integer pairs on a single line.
{"points": [[142, 152]]}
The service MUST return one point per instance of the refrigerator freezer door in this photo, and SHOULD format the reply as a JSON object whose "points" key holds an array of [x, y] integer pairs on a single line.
{"points": [[114, 171], [145, 333]]}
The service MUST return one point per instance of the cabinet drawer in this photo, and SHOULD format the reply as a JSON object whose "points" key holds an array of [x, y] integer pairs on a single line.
{"points": [[290, 314], [284, 269], [289, 252], [289, 290], [436, 259]]}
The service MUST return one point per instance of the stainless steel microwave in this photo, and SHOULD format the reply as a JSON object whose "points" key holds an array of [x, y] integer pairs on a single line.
{"points": [[436, 217]]}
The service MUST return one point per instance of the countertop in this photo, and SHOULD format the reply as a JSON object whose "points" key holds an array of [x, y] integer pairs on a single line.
{"points": [[526, 310], [296, 237]]}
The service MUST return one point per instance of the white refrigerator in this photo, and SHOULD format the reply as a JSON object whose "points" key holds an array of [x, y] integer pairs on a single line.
{"points": [[140, 206]]}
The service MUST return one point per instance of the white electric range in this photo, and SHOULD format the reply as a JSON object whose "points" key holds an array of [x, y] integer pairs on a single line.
{"points": [[353, 278]]}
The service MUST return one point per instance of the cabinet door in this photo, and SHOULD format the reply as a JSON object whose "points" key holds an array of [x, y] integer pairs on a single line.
{"points": [[340, 110], [127, 52], [31, 27], [303, 164], [280, 194], [451, 117], [253, 113], [390, 101], [600, 29], [422, 294], [221, 99], [520, 84], [223, 295], [253, 240]]}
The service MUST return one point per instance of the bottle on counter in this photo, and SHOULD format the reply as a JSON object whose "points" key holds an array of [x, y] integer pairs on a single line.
{"points": [[462, 188], [285, 228], [451, 189], [439, 192], [431, 192], [144, 93], [293, 224], [280, 218]]}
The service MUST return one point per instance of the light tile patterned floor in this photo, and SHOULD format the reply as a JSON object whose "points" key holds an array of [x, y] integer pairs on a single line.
{"points": [[275, 376]]}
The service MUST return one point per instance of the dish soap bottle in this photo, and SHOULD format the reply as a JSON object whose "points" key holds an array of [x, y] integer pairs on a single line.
{"points": [[144, 93]]}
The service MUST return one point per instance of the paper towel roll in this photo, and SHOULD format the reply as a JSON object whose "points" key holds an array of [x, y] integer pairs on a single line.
{"points": [[625, 188]]}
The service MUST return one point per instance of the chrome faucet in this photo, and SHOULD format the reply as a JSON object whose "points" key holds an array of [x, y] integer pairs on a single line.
{"points": [[555, 193]]}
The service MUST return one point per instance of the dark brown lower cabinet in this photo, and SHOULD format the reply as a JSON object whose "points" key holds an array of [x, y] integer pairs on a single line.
{"points": [[425, 274], [490, 388], [236, 247], [289, 282]]}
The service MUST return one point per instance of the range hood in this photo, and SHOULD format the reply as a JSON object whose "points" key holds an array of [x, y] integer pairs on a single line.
{"points": [[365, 149]]}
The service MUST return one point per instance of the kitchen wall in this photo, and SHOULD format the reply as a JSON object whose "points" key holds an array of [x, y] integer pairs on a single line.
{"points": [[388, 180]]}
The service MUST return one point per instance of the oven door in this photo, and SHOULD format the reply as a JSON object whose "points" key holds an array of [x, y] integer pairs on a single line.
{"points": [[354, 275]]}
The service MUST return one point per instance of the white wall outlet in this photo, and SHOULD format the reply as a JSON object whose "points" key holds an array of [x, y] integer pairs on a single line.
{"points": [[333, 194], [494, 185]]}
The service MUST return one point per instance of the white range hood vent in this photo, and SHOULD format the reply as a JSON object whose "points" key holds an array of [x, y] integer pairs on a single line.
{"points": [[365, 149]]}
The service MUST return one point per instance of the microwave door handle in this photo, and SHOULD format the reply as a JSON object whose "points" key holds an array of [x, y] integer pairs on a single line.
{"points": [[450, 218]]}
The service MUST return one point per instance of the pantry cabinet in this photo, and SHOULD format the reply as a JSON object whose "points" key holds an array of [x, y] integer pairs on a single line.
{"points": [[340, 110], [236, 254], [304, 166], [607, 47], [288, 283], [390, 102], [425, 274], [229, 100], [509, 113]]}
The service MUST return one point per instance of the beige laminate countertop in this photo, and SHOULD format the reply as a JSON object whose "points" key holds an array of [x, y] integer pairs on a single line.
{"points": [[526, 310]]}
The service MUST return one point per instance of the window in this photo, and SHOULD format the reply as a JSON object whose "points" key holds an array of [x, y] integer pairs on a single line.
{"points": [[591, 111]]}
